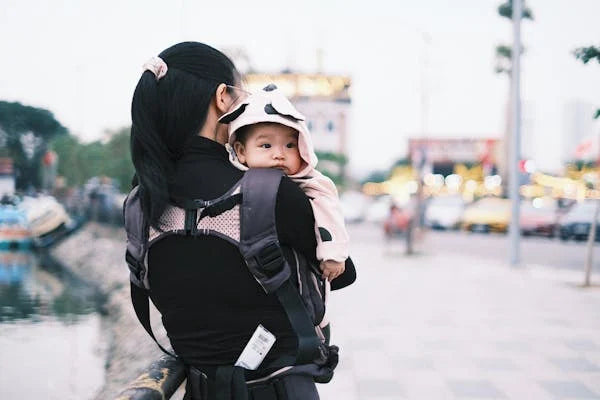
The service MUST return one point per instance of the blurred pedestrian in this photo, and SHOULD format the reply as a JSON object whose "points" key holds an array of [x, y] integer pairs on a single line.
{"points": [[397, 222]]}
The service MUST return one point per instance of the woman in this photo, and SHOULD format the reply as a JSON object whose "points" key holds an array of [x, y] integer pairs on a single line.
{"points": [[209, 301]]}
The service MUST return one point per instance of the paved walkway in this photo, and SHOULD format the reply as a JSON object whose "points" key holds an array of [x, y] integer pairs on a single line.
{"points": [[436, 326]]}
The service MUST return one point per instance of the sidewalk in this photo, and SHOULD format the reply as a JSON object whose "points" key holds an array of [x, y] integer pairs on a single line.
{"points": [[437, 326]]}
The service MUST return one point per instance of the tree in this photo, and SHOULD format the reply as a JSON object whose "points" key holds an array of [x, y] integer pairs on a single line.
{"points": [[121, 166], [506, 10], [585, 54], [333, 166], [79, 162], [25, 131]]}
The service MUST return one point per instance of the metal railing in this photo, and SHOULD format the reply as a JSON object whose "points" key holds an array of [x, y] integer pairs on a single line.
{"points": [[160, 381]]}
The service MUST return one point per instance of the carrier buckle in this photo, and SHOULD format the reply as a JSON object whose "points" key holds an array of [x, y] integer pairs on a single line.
{"points": [[270, 258], [134, 265]]}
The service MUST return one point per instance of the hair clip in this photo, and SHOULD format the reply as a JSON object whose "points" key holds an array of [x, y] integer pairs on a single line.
{"points": [[157, 66]]}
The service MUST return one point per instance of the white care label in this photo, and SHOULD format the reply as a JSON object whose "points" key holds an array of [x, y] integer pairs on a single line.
{"points": [[256, 350]]}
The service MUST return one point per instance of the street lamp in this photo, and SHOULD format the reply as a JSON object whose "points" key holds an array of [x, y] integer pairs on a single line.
{"points": [[515, 229]]}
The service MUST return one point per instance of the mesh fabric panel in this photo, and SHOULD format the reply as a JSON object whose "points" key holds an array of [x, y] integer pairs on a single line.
{"points": [[227, 223]]}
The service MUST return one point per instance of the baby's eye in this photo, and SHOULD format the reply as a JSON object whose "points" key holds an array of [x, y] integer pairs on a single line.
{"points": [[291, 145], [265, 146]]}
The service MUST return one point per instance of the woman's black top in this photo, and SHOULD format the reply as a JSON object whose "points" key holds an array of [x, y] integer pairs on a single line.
{"points": [[210, 303]]}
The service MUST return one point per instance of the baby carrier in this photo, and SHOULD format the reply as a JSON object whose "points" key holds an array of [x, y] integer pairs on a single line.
{"points": [[245, 217]]}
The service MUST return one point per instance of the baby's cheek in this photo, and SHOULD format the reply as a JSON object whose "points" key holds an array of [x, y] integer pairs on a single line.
{"points": [[256, 161]]}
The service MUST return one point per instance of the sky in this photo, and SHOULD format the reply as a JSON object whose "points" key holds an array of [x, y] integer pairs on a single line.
{"points": [[419, 68]]}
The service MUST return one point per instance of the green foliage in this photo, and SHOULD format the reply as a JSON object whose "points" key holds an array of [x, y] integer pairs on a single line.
{"points": [[506, 10], [579, 165], [586, 54], [376, 177], [503, 59], [503, 50], [121, 166], [79, 162], [402, 162], [329, 156], [339, 161], [16, 118], [39, 125]]}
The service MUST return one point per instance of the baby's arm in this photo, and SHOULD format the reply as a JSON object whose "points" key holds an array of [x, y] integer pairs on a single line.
{"points": [[330, 230]]}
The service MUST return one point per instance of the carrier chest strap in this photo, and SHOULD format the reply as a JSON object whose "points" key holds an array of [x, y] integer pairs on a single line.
{"points": [[191, 226], [220, 207]]}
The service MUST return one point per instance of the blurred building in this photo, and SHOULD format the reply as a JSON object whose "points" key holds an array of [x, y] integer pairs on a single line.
{"points": [[528, 137], [443, 156], [325, 102], [445, 166], [578, 129]]}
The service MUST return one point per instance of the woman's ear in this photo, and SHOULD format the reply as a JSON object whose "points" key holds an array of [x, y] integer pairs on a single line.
{"points": [[222, 98], [240, 152]]}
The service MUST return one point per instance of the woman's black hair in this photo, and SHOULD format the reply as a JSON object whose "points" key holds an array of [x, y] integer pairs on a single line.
{"points": [[165, 114]]}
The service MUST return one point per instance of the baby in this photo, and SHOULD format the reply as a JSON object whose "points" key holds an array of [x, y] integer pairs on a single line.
{"points": [[266, 131]]}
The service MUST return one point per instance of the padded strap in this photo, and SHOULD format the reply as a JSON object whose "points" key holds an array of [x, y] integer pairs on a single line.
{"points": [[259, 243], [259, 188], [260, 247], [141, 305], [308, 341]]}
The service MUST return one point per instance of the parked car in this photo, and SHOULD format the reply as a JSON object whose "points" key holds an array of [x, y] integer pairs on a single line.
{"points": [[378, 210], [444, 212], [354, 205], [539, 218], [490, 214], [577, 221]]}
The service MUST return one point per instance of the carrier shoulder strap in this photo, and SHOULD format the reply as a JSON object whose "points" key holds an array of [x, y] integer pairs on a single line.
{"points": [[141, 304], [260, 248], [137, 238], [135, 256]]}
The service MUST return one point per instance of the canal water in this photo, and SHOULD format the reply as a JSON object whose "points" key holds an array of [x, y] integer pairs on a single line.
{"points": [[51, 345]]}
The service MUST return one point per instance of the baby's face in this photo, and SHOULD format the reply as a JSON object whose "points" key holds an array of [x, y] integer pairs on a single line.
{"points": [[270, 146]]}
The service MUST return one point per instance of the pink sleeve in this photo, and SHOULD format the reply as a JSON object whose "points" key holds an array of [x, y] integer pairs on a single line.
{"points": [[330, 230]]}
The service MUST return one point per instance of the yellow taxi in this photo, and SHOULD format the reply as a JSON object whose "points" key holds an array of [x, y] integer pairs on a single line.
{"points": [[490, 214]]}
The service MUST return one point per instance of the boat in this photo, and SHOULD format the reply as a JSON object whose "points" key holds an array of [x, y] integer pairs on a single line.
{"points": [[47, 219], [14, 266], [14, 228]]}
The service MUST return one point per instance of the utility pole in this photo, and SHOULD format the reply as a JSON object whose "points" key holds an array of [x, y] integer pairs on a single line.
{"points": [[515, 229]]}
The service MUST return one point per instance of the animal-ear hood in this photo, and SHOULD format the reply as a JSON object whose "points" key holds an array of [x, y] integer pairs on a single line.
{"points": [[270, 105]]}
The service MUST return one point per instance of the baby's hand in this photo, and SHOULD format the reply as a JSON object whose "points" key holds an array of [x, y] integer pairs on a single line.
{"points": [[332, 269]]}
